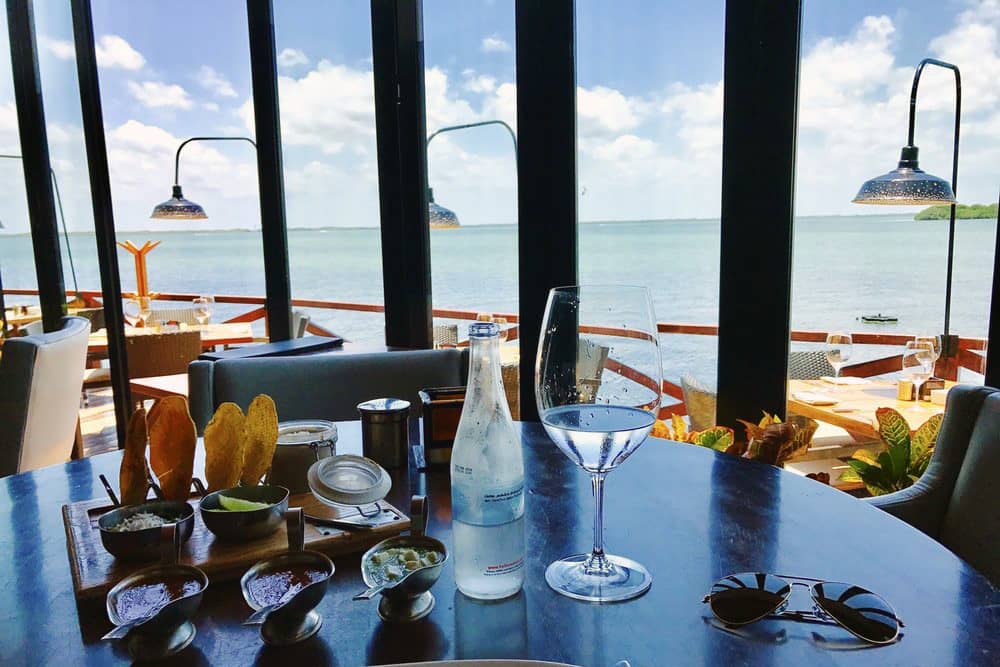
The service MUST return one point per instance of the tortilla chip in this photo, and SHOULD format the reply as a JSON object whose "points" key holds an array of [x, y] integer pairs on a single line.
{"points": [[224, 447], [132, 476], [172, 440], [261, 438]]}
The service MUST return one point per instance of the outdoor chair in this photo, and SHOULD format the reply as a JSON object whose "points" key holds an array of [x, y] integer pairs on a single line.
{"points": [[151, 355], [445, 335], [322, 386], [808, 365], [40, 379], [700, 401], [179, 315], [957, 500], [300, 322]]}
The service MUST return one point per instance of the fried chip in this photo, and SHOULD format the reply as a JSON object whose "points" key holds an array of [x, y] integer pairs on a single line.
{"points": [[224, 447], [132, 476], [172, 440], [261, 438]]}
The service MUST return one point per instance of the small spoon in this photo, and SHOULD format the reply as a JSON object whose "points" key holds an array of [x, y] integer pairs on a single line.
{"points": [[369, 593], [259, 616]]}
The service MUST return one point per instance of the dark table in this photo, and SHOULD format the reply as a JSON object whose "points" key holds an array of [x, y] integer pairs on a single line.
{"points": [[689, 514]]}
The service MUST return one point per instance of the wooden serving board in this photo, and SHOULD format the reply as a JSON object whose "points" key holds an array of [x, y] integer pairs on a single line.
{"points": [[95, 571]]}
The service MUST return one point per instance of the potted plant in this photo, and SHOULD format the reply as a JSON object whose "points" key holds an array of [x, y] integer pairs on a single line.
{"points": [[904, 460]]}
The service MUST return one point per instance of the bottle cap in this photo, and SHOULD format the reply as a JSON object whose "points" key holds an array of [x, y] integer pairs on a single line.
{"points": [[484, 330]]}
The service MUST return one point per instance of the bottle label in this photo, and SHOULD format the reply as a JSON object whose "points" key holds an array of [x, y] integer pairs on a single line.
{"points": [[486, 506]]}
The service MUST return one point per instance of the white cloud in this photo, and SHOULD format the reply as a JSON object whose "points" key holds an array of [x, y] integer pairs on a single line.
{"points": [[289, 58], [210, 106], [155, 94], [61, 49], [480, 83], [211, 80], [494, 44], [114, 52], [602, 111]]}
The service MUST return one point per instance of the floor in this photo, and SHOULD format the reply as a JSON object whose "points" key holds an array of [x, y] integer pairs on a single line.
{"points": [[97, 423]]}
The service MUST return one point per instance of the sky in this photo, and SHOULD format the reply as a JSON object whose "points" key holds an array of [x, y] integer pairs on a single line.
{"points": [[649, 103]]}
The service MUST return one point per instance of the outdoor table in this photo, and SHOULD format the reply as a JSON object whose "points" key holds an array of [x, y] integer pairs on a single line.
{"points": [[856, 406], [224, 333], [691, 515]]}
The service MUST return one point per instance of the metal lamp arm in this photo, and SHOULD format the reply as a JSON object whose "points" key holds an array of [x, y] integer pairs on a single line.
{"points": [[177, 157], [949, 343], [450, 128]]}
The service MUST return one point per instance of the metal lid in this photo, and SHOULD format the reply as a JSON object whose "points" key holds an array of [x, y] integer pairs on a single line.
{"points": [[384, 406], [306, 432], [348, 480]]}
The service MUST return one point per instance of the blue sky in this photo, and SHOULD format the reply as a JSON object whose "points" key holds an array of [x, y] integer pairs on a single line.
{"points": [[649, 98]]}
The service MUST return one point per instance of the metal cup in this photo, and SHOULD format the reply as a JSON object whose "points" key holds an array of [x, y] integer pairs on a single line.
{"points": [[385, 431]]}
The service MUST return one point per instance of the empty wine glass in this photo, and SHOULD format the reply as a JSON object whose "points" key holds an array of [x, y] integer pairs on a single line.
{"points": [[918, 364], [935, 343], [838, 352], [597, 387], [137, 310], [203, 309]]}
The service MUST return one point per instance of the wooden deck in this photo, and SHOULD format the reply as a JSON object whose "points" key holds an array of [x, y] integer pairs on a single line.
{"points": [[97, 423]]}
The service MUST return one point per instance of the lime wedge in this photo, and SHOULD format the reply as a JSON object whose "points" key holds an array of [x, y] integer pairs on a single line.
{"points": [[240, 505]]}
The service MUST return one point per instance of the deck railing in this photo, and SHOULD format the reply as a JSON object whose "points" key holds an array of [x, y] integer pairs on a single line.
{"points": [[969, 348]]}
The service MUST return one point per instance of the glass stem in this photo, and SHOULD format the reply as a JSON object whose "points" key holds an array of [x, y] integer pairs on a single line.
{"points": [[598, 563]]}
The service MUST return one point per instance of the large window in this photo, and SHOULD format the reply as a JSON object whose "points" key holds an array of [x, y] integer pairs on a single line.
{"points": [[851, 261], [327, 103], [158, 91], [649, 127], [472, 172]]}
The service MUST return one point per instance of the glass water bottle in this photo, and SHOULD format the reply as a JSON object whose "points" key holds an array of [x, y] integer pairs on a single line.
{"points": [[487, 479]]}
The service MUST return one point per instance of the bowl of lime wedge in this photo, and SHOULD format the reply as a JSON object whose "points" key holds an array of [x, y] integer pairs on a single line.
{"points": [[244, 513]]}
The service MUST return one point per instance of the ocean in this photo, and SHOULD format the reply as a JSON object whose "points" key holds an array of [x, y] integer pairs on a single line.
{"points": [[843, 267]]}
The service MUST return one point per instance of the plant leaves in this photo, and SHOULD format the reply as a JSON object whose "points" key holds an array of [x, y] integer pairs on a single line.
{"points": [[850, 475], [886, 464], [923, 439], [679, 426], [865, 456], [717, 437], [753, 431], [893, 428]]}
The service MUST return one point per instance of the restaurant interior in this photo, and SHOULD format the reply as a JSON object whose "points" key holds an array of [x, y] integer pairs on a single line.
{"points": [[301, 467]]}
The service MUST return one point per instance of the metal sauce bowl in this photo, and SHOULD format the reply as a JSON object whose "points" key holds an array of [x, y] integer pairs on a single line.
{"points": [[143, 544], [411, 599], [245, 526], [170, 630], [297, 620]]}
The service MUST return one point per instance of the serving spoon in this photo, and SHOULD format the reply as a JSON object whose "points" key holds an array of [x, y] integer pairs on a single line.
{"points": [[259, 616], [120, 631]]}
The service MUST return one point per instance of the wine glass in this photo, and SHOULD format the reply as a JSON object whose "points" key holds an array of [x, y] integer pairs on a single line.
{"points": [[598, 380], [203, 309], [935, 343], [137, 310], [918, 364], [838, 352]]}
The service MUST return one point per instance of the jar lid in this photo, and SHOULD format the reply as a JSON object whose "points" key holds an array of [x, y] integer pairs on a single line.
{"points": [[348, 480], [306, 432], [384, 406]]}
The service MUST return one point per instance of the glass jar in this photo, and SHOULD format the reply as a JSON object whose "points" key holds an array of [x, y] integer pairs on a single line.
{"points": [[300, 444]]}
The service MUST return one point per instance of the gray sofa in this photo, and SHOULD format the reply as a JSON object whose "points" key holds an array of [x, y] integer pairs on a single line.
{"points": [[957, 500], [322, 386]]}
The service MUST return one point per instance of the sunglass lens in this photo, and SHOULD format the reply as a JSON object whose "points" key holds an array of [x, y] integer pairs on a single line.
{"points": [[746, 597], [862, 612]]}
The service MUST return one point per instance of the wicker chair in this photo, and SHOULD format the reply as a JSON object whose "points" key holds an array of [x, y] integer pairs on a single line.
{"points": [[161, 353], [445, 335], [808, 365], [700, 401], [179, 315]]}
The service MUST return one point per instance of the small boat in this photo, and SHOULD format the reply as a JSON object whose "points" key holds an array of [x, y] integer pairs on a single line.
{"points": [[879, 319]]}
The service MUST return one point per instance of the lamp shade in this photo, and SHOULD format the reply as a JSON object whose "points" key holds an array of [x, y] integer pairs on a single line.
{"points": [[439, 216], [178, 208], [906, 185]]}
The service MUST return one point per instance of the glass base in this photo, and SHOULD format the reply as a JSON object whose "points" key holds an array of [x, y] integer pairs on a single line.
{"points": [[612, 579]]}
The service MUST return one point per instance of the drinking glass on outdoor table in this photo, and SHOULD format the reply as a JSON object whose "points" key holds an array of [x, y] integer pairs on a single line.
{"points": [[838, 353], [935, 344], [918, 364], [137, 310], [597, 386], [203, 309]]}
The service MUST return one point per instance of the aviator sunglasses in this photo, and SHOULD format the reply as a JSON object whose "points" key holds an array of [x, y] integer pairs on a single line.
{"points": [[739, 599]]}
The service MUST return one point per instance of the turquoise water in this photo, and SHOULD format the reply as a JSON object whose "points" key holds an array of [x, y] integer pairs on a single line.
{"points": [[843, 267]]}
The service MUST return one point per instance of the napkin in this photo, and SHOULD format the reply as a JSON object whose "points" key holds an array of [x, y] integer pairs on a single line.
{"points": [[844, 380], [814, 398]]}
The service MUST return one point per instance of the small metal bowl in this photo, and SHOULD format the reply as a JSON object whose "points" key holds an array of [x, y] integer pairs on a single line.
{"points": [[245, 526], [170, 630], [411, 599], [143, 544], [297, 620]]}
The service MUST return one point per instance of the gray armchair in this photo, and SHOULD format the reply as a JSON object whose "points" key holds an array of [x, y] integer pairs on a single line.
{"points": [[323, 386], [957, 500], [40, 380]]}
